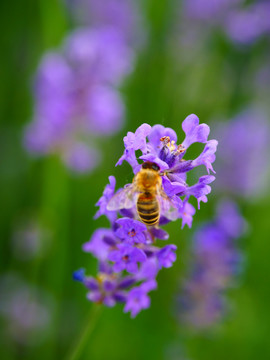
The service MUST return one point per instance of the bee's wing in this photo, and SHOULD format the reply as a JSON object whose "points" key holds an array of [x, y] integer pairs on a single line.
{"points": [[167, 207], [124, 199]]}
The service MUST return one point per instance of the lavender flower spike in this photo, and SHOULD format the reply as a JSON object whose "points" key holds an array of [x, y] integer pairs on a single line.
{"points": [[128, 255], [246, 174], [77, 98], [243, 22], [201, 303]]}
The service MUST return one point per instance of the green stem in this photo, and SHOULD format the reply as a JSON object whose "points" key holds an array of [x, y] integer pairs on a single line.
{"points": [[86, 333]]}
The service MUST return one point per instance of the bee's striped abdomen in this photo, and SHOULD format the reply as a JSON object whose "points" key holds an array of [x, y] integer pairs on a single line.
{"points": [[148, 209]]}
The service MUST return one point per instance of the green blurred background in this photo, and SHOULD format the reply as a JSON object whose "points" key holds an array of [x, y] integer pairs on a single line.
{"points": [[164, 88]]}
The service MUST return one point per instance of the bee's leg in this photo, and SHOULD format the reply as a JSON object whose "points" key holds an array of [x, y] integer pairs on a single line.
{"points": [[152, 236]]}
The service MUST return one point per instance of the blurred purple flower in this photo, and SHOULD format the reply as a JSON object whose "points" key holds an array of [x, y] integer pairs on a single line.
{"points": [[30, 240], [100, 242], [166, 256], [108, 288], [247, 24], [76, 88], [242, 163], [122, 15], [243, 23], [208, 10], [26, 311], [216, 261], [99, 54], [136, 301], [81, 158]]}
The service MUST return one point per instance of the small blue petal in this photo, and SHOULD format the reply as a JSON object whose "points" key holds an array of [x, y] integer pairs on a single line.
{"points": [[79, 275]]}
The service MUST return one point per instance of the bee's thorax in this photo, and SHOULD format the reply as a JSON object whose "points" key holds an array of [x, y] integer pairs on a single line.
{"points": [[148, 180]]}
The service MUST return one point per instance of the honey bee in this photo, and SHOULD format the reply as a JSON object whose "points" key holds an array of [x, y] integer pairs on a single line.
{"points": [[147, 194]]}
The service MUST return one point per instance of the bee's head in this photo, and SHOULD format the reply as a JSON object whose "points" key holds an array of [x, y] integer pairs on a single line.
{"points": [[150, 165]]}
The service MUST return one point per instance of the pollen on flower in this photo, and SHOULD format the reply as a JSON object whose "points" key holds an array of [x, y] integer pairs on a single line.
{"points": [[172, 145], [180, 149], [101, 277], [168, 142], [165, 139], [132, 233]]}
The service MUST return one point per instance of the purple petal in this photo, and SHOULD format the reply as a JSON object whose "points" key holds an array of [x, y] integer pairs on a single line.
{"points": [[109, 301], [137, 141], [130, 157], [187, 213], [182, 167], [109, 240], [138, 255], [120, 296], [202, 188], [194, 132], [97, 246], [160, 233], [149, 285], [136, 301], [140, 137], [91, 283], [132, 267], [159, 131], [139, 238], [109, 285], [94, 296], [207, 157], [166, 256], [126, 282], [119, 266], [105, 198], [148, 270], [172, 188], [115, 255]]}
